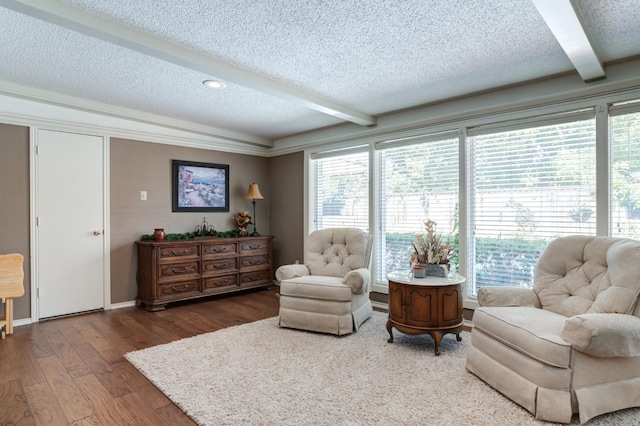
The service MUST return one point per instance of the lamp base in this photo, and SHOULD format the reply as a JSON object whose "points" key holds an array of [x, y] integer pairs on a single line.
{"points": [[255, 234]]}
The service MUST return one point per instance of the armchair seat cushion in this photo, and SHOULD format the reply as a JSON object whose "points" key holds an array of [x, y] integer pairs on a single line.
{"points": [[531, 331], [317, 287]]}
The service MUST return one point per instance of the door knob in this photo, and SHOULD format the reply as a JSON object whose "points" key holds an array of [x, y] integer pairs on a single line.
{"points": [[96, 232]]}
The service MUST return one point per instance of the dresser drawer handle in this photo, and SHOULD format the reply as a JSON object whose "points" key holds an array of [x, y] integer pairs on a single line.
{"points": [[255, 246], [180, 253], [256, 262], [220, 250], [221, 266], [183, 288], [180, 271]]}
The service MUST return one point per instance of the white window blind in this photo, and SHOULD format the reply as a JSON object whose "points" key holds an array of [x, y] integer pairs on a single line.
{"points": [[528, 185], [341, 189], [416, 182], [625, 172]]}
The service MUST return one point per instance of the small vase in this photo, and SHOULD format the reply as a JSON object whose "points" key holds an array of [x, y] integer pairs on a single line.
{"points": [[158, 234]]}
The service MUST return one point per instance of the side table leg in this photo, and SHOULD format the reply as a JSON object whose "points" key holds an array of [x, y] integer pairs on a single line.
{"points": [[389, 327], [437, 337], [458, 337]]}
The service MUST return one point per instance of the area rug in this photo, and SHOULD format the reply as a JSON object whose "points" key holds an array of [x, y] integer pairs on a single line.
{"points": [[260, 374]]}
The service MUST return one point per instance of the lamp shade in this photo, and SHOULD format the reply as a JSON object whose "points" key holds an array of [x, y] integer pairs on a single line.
{"points": [[254, 192]]}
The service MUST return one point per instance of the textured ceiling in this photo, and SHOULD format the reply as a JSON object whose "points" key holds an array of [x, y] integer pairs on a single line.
{"points": [[374, 57]]}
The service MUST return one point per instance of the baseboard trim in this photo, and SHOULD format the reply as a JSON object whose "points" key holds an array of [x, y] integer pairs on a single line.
{"points": [[121, 305], [380, 306], [22, 321]]}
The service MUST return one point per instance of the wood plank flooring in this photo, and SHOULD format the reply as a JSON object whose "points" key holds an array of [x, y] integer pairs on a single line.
{"points": [[71, 371]]}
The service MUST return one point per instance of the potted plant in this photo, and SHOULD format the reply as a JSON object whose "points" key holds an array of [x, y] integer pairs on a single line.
{"points": [[432, 251]]}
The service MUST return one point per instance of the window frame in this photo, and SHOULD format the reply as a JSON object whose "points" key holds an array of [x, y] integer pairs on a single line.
{"points": [[464, 121], [379, 149], [499, 129]]}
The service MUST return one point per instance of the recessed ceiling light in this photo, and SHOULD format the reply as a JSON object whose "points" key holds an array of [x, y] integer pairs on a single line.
{"points": [[214, 84]]}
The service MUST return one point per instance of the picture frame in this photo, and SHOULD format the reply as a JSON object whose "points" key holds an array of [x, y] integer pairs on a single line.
{"points": [[200, 187]]}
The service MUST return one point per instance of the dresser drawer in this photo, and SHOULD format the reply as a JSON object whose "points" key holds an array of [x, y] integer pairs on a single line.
{"points": [[253, 246], [219, 249], [179, 270], [220, 265], [179, 251], [178, 289], [247, 262], [219, 284], [255, 277]]}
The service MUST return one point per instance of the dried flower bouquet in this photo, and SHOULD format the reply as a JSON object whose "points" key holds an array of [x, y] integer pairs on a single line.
{"points": [[431, 248]]}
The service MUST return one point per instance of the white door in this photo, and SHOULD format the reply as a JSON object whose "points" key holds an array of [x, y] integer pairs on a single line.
{"points": [[69, 223]]}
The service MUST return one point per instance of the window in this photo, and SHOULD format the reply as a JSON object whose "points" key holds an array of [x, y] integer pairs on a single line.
{"points": [[341, 189], [625, 172], [530, 183], [417, 180]]}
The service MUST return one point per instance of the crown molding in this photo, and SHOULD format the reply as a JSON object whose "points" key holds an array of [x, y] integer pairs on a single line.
{"points": [[559, 92], [33, 113], [221, 136]]}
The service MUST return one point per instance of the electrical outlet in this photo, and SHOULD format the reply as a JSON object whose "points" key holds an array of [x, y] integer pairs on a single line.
{"points": [[143, 195]]}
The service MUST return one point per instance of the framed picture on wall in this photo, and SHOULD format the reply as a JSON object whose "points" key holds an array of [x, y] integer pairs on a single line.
{"points": [[200, 187]]}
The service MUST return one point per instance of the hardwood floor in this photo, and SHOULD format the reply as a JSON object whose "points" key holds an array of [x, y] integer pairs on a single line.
{"points": [[71, 371]]}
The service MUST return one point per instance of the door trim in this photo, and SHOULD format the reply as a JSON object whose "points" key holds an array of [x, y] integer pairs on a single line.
{"points": [[33, 211]]}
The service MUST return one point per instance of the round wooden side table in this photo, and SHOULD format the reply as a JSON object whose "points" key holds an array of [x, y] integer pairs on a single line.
{"points": [[430, 305]]}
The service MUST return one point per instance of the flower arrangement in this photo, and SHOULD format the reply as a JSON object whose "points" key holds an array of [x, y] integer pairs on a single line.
{"points": [[431, 248], [243, 219]]}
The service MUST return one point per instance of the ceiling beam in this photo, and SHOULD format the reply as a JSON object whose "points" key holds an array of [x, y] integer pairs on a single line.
{"points": [[63, 15], [563, 19]]}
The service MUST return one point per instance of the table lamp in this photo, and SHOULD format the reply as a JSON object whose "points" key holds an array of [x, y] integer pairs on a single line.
{"points": [[254, 194]]}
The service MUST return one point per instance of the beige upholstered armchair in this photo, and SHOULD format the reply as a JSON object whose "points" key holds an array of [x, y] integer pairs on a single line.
{"points": [[572, 344], [329, 293]]}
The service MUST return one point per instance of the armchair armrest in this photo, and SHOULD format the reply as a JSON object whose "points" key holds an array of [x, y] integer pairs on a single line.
{"points": [[286, 272], [506, 296], [603, 335], [359, 280]]}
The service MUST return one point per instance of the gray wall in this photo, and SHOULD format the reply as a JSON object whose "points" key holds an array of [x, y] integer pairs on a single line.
{"points": [[14, 204], [144, 166], [287, 214], [134, 166]]}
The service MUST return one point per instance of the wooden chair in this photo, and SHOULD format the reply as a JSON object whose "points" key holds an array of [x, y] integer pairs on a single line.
{"points": [[11, 286]]}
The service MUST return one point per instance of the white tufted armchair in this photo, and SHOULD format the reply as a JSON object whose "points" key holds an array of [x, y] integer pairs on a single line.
{"points": [[572, 343], [329, 293]]}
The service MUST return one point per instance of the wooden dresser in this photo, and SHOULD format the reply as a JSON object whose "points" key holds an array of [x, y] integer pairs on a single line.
{"points": [[169, 271]]}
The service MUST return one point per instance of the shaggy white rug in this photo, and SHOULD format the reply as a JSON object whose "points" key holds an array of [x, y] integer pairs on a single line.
{"points": [[261, 374]]}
